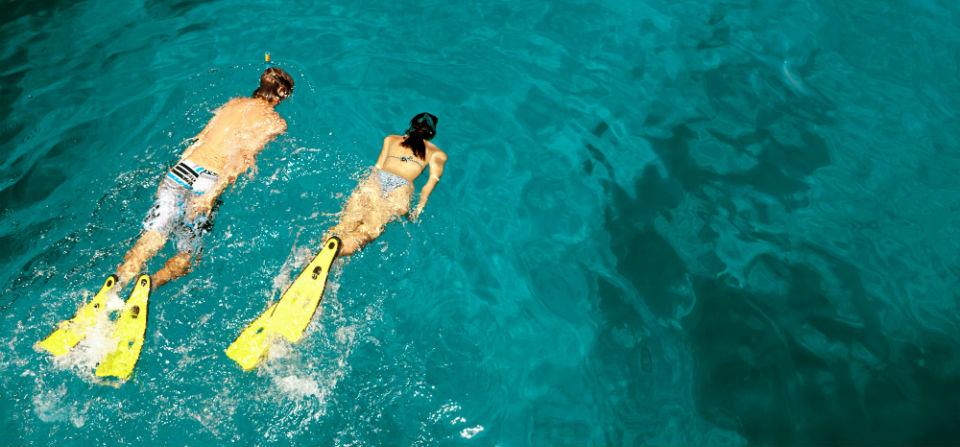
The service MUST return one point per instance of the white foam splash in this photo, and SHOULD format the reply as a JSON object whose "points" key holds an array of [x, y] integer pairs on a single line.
{"points": [[98, 342], [470, 432], [299, 387], [47, 404], [297, 257]]}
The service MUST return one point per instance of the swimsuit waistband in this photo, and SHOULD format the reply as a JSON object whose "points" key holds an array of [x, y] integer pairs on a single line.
{"points": [[192, 176], [392, 175]]}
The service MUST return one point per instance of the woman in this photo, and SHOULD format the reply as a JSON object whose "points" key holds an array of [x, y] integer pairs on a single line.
{"points": [[385, 194]]}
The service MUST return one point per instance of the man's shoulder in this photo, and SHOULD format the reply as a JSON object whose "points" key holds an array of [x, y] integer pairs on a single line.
{"points": [[229, 105], [277, 123], [234, 102]]}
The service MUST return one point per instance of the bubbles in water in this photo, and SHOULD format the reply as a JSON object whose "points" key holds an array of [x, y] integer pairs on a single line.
{"points": [[52, 405], [216, 411], [298, 257]]}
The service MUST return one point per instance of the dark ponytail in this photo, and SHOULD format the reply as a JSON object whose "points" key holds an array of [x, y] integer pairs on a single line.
{"points": [[422, 127]]}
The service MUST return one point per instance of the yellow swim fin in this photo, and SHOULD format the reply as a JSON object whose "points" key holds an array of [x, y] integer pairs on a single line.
{"points": [[70, 332], [131, 327], [298, 304], [253, 343], [289, 317]]}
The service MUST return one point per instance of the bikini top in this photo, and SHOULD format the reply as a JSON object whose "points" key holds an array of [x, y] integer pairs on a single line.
{"points": [[405, 158], [413, 159]]}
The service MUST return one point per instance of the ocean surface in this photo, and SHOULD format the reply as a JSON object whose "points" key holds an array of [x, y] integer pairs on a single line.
{"points": [[661, 223]]}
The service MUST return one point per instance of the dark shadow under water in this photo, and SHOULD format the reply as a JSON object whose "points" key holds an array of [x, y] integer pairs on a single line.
{"points": [[790, 367], [806, 359]]}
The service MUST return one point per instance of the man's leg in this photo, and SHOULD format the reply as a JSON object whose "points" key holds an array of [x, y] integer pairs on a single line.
{"points": [[147, 246], [189, 236], [167, 208], [175, 267]]}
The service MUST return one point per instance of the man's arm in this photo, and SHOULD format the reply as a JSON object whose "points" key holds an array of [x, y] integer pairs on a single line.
{"points": [[198, 139], [437, 161], [194, 142]]}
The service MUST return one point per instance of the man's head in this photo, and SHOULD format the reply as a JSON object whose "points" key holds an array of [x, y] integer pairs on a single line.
{"points": [[275, 85]]}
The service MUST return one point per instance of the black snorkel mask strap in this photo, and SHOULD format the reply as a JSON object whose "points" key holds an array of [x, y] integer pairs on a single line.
{"points": [[430, 120]]}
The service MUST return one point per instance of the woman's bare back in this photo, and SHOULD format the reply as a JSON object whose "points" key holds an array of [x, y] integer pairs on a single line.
{"points": [[397, 153]]}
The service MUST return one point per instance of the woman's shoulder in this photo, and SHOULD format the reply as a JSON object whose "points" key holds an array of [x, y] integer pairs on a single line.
{"points": [[434, 151]]}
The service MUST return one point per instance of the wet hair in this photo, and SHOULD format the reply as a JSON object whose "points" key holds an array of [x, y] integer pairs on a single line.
{"points": [[275, 85], [422, 127]]}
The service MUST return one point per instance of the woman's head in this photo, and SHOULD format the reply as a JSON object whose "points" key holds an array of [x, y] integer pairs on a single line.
{"points": [[275, 85], [423, 126]]}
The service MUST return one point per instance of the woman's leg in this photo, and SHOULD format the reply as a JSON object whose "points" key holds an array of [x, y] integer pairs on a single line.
{"points": [[354, 211], [375, 219], [348, 228]]}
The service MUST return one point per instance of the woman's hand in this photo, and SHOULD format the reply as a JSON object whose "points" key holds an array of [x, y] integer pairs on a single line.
{"points": [[415, 214], [437, 160]]}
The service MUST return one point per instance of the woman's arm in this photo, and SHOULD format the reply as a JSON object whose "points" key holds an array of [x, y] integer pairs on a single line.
{"points": [[437, 161], [383, 152]]}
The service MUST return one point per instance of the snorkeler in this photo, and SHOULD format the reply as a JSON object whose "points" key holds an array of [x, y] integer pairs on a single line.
{"points": [[385, 194], [185, 203], [380, 198], [187, 197]]}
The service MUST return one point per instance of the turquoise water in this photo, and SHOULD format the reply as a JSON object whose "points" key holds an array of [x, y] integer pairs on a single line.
{"points": [[663, 223]]}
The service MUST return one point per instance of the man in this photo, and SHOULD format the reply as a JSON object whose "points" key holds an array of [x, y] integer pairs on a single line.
{"points": [[186, 199]]}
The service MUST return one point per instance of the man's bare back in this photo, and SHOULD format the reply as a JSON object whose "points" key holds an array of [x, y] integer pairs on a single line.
{"points": [[230, 143], [235, 135]]}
